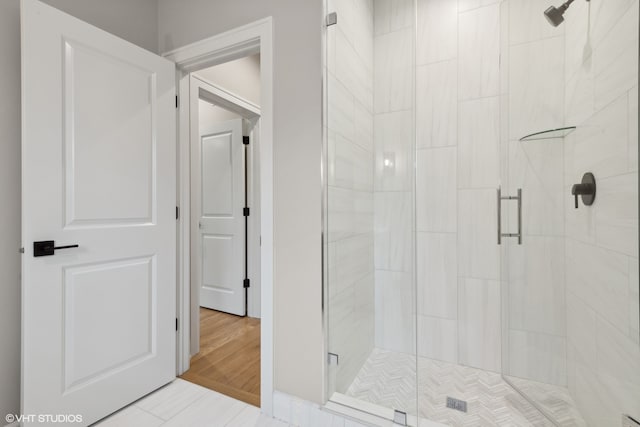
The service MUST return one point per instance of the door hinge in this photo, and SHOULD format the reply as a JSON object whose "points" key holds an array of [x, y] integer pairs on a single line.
{"points": [[333, 359], [177, 212], [246, 283], [331, 19], [245, 140], [177, 102], [176, 323], [399, 418], [245, 211]]}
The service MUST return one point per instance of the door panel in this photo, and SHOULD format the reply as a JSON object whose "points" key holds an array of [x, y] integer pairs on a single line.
{"points": [[102, 332], [217, 175], [103, 186], [221, 223], [218, 199], [98, 156], [217, 278]]}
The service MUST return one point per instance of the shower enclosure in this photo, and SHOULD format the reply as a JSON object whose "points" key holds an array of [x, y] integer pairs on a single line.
{"points": [[461, 284]]}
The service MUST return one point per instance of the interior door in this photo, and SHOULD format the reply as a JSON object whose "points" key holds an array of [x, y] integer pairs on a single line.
{"points": [[218, 198], [98, 152]]}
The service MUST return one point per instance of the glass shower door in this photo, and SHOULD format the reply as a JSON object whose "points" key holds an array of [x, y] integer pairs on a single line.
{"points": [[370, 293], [438, 289]]}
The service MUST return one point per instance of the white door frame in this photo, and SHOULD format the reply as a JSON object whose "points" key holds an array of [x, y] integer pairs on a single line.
{"points": [[256, 37], [201, 88]]}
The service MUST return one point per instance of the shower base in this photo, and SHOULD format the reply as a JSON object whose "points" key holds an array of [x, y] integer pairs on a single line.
{"points": [[387, 379]]}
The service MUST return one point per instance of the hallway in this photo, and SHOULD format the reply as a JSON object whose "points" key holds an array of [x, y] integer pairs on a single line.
{"points": [[229, 357]]}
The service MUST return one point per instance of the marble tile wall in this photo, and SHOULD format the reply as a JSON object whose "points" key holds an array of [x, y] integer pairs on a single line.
{"points": [[486, 73], [394, 158], [572, 300], [534, 272], [350, 196], [478, 173], [457, 136], [601, 75]]}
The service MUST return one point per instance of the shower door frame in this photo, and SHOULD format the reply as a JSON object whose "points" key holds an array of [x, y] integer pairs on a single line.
{"points": [[367, 412]]}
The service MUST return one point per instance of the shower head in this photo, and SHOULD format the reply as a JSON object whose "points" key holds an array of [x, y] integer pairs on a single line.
{"points": [[555, 14]]}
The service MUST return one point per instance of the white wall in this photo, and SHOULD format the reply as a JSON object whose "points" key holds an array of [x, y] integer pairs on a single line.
{"points": [[298, 334], [135, 21], [209, 114], [240, 77]]}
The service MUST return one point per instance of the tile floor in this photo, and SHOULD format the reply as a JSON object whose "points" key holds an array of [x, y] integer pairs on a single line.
{"points": [[382, 380], [388, 379], [554, 400], [183, 404]]}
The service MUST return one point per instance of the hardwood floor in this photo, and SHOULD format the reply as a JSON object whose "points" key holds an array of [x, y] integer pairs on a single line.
{"points": [[229, 357]]}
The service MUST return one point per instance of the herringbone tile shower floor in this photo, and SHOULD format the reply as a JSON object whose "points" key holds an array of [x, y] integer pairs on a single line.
{"points": [[388, 379]]}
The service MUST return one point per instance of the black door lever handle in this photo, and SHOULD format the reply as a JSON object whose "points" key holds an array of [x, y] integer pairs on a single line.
{"points": [[48, 247]]}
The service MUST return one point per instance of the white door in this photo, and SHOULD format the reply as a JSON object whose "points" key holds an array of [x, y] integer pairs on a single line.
{"points": [[98, 153], [218, 200]]}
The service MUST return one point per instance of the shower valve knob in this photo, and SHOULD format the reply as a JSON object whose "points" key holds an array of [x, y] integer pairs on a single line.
{"points": [[586, 189]]}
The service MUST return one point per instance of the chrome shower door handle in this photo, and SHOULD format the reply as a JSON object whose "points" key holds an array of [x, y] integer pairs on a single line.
{"points": [[519, 199]]}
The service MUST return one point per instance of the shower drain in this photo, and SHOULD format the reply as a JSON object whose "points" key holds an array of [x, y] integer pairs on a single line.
{"points": [[457, 404]]}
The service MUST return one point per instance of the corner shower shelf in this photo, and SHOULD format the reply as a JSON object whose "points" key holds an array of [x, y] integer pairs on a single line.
{"points": [[549, 134]]}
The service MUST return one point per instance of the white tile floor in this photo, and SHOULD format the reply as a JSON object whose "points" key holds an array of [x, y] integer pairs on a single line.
{"points": [[388, 379], [184, 404], [556, 401], [492, 402]]}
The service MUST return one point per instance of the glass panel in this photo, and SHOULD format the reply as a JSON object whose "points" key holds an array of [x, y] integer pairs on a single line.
{"points": [[369, 223], [447, 299], [570, 290], [458, 259]]}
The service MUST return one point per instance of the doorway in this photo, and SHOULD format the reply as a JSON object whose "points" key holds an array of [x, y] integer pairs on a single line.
{"points": [[238, 43], [224, 119], [126, 151]]}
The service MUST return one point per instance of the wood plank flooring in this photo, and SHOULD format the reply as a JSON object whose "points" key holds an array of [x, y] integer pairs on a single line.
{"points": [[229, 357]]}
